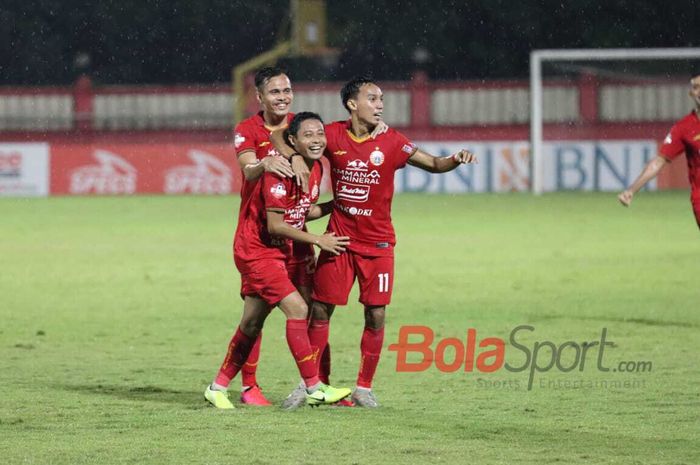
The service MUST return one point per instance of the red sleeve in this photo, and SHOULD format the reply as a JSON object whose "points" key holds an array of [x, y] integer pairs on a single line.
{"points": [[276, 192], [244, 138], [404, 149], [673, 146]]}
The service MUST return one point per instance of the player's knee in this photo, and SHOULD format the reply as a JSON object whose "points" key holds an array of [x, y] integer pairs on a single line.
{"points": [[251, 327], [321, 311], [374, 317]]}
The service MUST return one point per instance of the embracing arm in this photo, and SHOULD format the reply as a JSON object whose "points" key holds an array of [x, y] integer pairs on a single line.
{"points": [[328, 242], [648, 173], [320, 210], [254, 168], [433, 164]]}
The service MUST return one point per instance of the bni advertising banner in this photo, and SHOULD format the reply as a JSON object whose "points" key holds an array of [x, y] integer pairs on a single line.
{"points": [[505, 166], [24, 169]]}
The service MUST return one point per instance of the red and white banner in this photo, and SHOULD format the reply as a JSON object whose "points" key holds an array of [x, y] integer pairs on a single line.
{"points": [[24, 169], [144, 169]]}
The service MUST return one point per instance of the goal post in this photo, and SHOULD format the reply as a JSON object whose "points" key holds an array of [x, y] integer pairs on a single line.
{"points": [[538, 58]]}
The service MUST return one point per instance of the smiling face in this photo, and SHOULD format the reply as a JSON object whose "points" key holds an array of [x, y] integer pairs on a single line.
{"points": [[310, 139], [276, 96], [368, 105], [695, 91]]}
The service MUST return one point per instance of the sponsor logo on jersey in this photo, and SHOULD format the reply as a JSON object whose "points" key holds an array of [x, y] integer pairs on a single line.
{"points": [[376, 157], [354, 211], [111, 175], [408, 148], [272, 152], [339, 152], [668, 139], [352, 192], [278, 190], [238, 140], [207, 175], [357, 165]]}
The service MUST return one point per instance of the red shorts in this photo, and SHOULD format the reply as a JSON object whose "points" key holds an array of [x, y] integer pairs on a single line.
{"points": [[301, 271], [267, 278], [335, 275]]}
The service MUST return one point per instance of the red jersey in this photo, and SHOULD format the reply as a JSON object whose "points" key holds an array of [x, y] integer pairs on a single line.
{"points": [[253, 241], [362, 175], [252, 134], [684, 137]]}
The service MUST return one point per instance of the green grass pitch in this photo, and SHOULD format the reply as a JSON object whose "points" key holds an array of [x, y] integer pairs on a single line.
{"points": [[115, 313]]}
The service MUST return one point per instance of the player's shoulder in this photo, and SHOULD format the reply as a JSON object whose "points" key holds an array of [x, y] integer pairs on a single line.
{"points": [[688, 121]]}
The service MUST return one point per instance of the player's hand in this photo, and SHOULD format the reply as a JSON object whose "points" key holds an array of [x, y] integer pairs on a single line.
{"points": [[465, 157], [279, 166], [301, 172], [625, 198], [332, 243], [380, 128]]}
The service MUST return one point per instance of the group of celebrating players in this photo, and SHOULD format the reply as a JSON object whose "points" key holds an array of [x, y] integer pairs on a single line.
{"points": [[279, 155]]}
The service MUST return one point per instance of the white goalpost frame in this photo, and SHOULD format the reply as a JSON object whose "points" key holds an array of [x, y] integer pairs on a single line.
{"points": [[536, 59]]}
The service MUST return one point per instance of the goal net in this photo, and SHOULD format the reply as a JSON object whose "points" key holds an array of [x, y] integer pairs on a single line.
{"points": [[597, 116]]}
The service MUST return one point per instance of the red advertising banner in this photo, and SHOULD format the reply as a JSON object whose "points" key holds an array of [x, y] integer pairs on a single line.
{"points": [[144, 169]]}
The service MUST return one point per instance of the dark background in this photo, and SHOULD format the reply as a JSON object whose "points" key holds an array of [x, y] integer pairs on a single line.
{"points": [[199, 41]]}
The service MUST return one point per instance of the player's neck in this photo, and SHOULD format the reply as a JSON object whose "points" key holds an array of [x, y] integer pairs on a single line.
{"points": [[359, 128], [273, 121]]}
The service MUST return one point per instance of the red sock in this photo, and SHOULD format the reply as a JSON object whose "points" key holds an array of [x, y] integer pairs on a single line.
{"points": [[318, 338], [238, 351], [324, 368], [370, 348], [298, 341], [251, 364]]}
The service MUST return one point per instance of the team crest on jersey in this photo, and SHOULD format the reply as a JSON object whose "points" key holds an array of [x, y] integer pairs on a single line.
{"points": [[278, 190], [697, 137], [238, 140], [668, 139], [408, 148], [376, 157]]}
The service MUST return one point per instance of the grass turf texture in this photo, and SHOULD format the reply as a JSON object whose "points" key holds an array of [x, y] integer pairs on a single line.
{"points": [[116, 313]]}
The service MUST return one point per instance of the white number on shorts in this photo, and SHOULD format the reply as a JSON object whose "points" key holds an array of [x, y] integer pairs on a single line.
{"points": [[383, 282]]}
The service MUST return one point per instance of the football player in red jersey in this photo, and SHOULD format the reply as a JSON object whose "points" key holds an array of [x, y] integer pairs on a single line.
{"points": [[272, 218], [255, 157], [684, 137], [362, 175]]}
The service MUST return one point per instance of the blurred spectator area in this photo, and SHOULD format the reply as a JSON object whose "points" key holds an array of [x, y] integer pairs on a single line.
{"points": [[423, 109]]}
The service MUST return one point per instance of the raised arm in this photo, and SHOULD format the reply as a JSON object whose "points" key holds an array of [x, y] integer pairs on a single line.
{"points": [[254, 168], [328, 242], [299, 168], [648, 173], [433, 164]]}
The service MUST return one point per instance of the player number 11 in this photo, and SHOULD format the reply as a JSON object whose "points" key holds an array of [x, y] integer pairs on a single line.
{"points": [[383, 282]]}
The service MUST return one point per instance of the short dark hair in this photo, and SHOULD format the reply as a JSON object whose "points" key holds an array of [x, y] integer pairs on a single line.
{"points": [[352, 88], [265, 74], [295, 124]]}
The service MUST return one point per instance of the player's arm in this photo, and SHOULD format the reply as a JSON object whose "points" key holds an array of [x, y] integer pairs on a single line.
{"points": [[299, 168], [648, 173], [319, 211], [328, 242], [433, 164], [254, 168]]}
